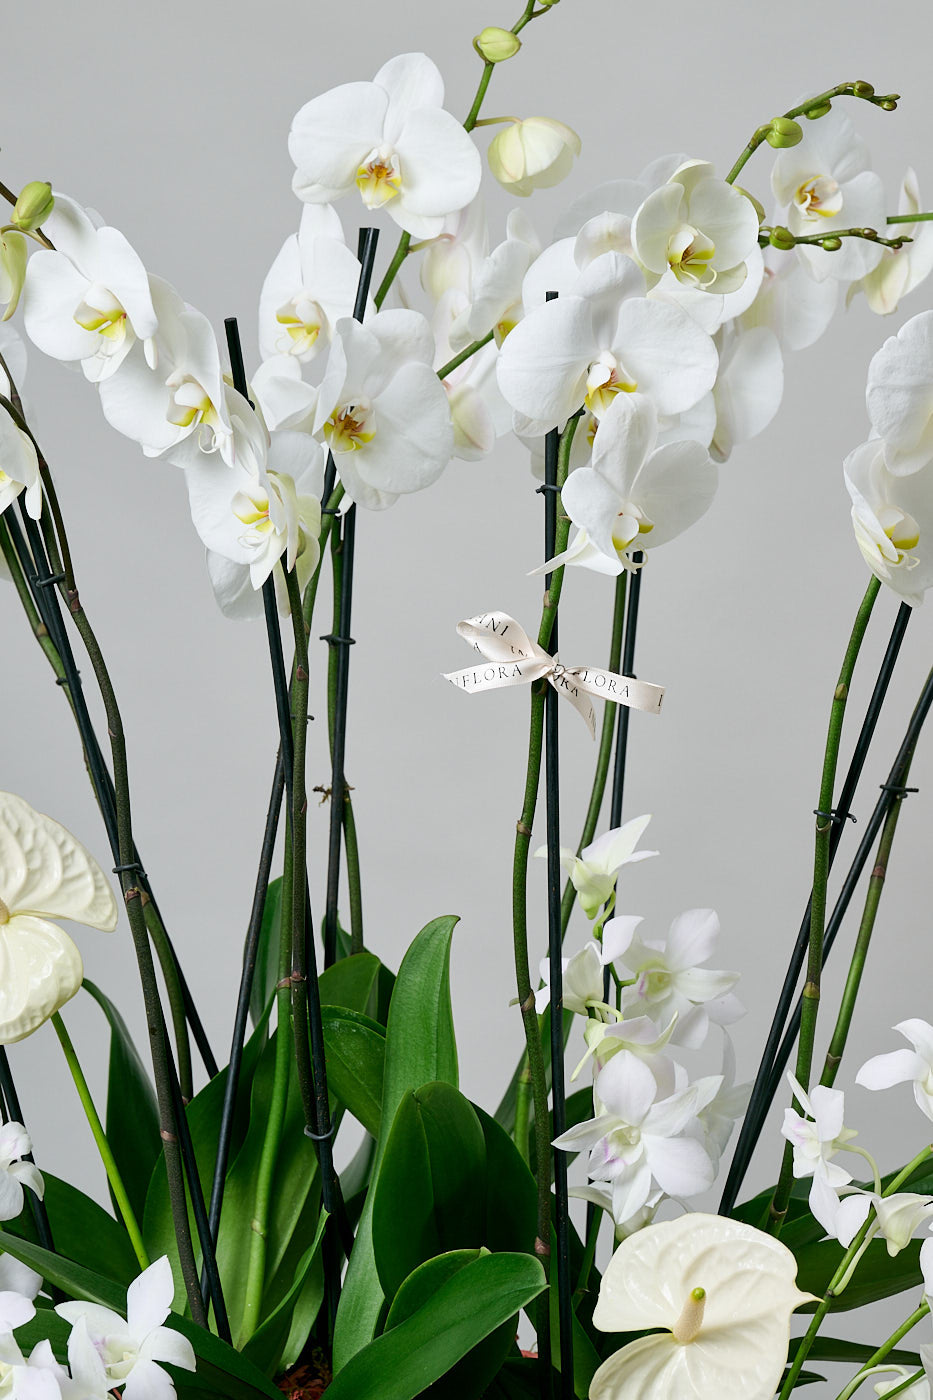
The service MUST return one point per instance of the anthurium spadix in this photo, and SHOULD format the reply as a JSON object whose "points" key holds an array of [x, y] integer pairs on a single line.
{"points": [[382, 410], [900, 395], [19, 467], [393, 141], [309, 287], [602, 340], [89, 300], [697, 227], [893, 520], [723, 1293], [44, 875]]}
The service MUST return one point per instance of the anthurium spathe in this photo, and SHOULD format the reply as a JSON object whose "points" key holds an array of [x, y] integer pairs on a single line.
{"points": [[893, 520], [19, 467], [44, 874], [722, 1291], [593, 873], [900, 395], [393, 141], [382, 410], [698, 228], [89, 300], [309, 287]]}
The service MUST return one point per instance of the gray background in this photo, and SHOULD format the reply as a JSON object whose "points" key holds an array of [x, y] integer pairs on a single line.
{"points": [[172, 121]]}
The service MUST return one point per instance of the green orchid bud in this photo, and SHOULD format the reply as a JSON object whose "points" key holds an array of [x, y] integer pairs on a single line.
{"points": [[863, 90], [831, 244], [783, 132], [34, 205], [13, 253], [495, 45], [870, 233], [782, 238], [889, 104], [758, 207], [813, 113], [548, 3]]}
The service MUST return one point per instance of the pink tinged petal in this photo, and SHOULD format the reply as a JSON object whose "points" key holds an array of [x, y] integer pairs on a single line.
{"points": [[40, 969], [680, 1166], [543, 362], [87, 1367], [670, 357], [53, 292], [883, 1071], [692, 938], [332, 135], [627, 1087]]}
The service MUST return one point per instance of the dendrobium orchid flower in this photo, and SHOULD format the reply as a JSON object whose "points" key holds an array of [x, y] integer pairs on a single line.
{"points": [[44, 874], [816, 1140], [36, 1377], [309, 287], [130, 1349], [893, 520], [18, 1283], [532, 154], [900, 269], [15, 1144], [392, 139], [920, 1390], [897, 1217], [583, 973], [19, 467], [698, 228], [593, 873], [724, 1293], [89, 300], [900, 395], [669, 980], [905, 1066]]}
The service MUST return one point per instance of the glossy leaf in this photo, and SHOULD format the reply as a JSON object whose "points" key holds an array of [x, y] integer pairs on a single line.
{"points": [[350, 982], [267, 954], [511, 1195], [836, 1349], [264, 1349], [355, 1048], [82, 1231], [879, 1275]]}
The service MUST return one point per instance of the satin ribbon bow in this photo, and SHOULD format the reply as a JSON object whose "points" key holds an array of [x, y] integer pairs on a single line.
{"points": [[516, 660]]}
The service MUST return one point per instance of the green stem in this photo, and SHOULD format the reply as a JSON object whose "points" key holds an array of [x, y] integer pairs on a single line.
{"points": [[909, 218], [176, 1001], [103, 1146], [824, 822], [352, 851], [886, 1347], [466, 354], [818, 240], [860, 952], [398, 257]]}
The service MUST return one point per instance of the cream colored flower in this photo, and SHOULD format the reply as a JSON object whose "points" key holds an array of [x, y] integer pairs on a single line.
{"points": [[44, 874]]}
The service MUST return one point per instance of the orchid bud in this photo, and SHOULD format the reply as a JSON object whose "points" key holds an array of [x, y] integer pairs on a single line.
{"points": [[495, 45], [35, 204], [532, 154], [783, 132], [782, 238], [831, 244], [889, 104], [863, 90], [12, 269], [814, 112]]}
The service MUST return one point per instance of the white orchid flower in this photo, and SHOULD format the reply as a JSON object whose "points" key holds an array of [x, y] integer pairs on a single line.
{"points": [[478, 412], [897, 1217], [715, 1122], [636, 1140], [535, 153], [393, 141], [131, 1349], [824, 184], [493, 299], [900, 395], [601, 1197], [602, 340], [669, 980], [635, 495], [816, 1139], [905, 1066], [697, 227], [36, 1377], [15, 1144], [382, 410], [451, 259], [920, 1390], [900, 269], [19, 467], [44, 874], [311, 284], [893, 520], [637, 1034], [89, 300], [722, 1291], [749, 388], [18, 1283], [594, 871], [282, 396], [583, 973], [790, 303]]}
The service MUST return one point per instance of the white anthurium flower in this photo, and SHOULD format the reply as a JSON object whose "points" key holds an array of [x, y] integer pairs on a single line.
{"points": [[19, 467], [89, 300], [637, 1140], [635, 495], [311, 284], [15, 1144], [900, 395], [283, 397], [897, 1217], [920, 1390], [697, 227], [816, 1139], [825, 184], [583, 973], [534, 153], [905, 1066], [790, 303], [44, 874], [668, 978], [132, 1348], [392, 139], [382, 410], [36, 1377], [900, 269], [749, 388], [893, 520], [722, 1291], [604, 340], [593, 873]]}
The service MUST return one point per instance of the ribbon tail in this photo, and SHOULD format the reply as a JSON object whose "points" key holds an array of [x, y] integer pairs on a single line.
{"points": [[566, 684]]}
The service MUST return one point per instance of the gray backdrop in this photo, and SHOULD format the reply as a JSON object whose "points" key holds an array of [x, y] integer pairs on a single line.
{"points": [[172, 121]]}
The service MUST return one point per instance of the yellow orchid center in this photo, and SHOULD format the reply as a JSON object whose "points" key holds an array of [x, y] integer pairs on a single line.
{"points": [[687, 1327], [101, 311], [819, 195], [605, 378], [689, 255], [190, 401], [350, 426], [901, 529], [4, 913], [253, 510], [303, 321], [629, 524], [379, 178]]}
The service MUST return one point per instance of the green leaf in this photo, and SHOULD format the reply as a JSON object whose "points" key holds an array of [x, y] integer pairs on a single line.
{"points": [[74, 1279], [350, 982], [355, 1048], [132, 1119], [81, 1231], [472, 1303], [267, 954], [878, 1274], [511, 1195], [835, 1349], [264, 1348], [430, 1197], [420, 1048], [505, 1113]]}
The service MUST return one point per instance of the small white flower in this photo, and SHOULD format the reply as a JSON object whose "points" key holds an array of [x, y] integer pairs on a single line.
{"points": [[19, 468], [15, 1144], [697, 227], [900, 269], [896, 1217], [816, 1140], [905, 1066], [892, 516], [594, 872], [668, 979]]}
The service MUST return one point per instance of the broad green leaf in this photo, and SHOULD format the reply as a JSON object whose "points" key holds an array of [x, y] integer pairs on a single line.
{"points": [[82, 1231], [355, 1048], [511, 1195], [132, 1119], [355, 1179], [518, 1380], [267, 954], [878, 1274], [304, 1315], [350, 982], [74, 1279], [430, 1197], [472, 1303], [264, 1349], [420, 1048], [835, 1349]]}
